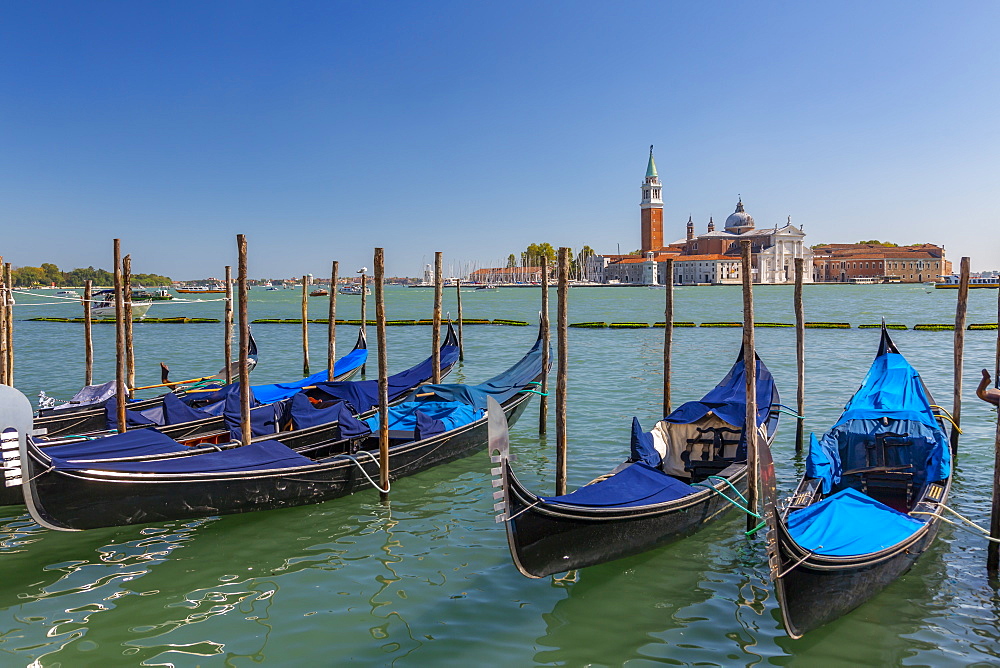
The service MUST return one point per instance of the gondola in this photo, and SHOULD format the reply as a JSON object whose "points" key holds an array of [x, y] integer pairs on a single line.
{"points": [[869, 503], [677, 479], [438, 423], [97, 419]]}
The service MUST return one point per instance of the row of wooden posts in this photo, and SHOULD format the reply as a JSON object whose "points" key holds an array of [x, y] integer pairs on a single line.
{"points": [[125, 357]]}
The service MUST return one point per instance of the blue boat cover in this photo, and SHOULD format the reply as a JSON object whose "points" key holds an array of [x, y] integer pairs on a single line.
{"points": [[728, 398], [642, 446], [362, 395], [436, 416], [264, 419], [848, 524], [305, 414], [501, 387], [137, 443], [176, 411], [267, 394], [132, 418], [260, 456], [635, 485], [892, 389]]}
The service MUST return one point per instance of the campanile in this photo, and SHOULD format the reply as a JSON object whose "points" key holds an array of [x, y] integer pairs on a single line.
{"points": [[652, 209]]}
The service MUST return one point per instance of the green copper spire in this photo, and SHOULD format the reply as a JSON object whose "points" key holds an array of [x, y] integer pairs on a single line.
{"points": [[651, 168]]}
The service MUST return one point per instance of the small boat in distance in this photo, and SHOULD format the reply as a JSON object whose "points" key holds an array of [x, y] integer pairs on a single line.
{"points": [[319, 292], [102, 306], [952, 282], [201, 289], [71, 294], [353, 289]]}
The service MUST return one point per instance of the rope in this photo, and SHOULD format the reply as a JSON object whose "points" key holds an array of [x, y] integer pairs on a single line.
{"points": [[942, 409], [522, 511], [986, 534], [746, 510], [793, 414], [541, 394], [365, 473], [945, 417]]}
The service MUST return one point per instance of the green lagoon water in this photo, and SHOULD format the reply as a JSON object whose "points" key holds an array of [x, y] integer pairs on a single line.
{"points": [[427, 580]]}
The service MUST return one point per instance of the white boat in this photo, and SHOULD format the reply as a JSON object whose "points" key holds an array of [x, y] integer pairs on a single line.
{"points": [[952, 282], [354, 289], [72, 294], [102, 306]]}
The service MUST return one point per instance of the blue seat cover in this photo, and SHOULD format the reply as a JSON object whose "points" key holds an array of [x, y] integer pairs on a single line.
{"points": [[849, 524], [636, 485], [259, 456], [138, 443]]}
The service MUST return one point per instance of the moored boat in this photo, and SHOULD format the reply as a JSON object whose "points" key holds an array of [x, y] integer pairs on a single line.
{"points": [[869, 504], [680, 476]]}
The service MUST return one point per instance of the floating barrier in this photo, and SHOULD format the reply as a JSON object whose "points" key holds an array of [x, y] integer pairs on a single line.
{"points": [[828, 325], [398, 323], [628, 325], [933, 327], [773, 324], [589, 325], [983, 325], [513, 323], [155, 321], [721, 324], [878, 326], [676, 324]]}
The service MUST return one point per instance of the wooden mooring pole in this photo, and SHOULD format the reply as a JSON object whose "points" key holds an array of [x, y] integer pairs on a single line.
{"points": [[241, 295], [383, 376], [119, 339], [9, 280], [543, 406], [331, 328], [668, 332], [5, 298], [364, 310], [993, 549], [561, 378], [961, 309], [305, 326], [88, 334], [227, 345], [129, 334], [461, 334], [436, 334], [800, 354], [750, 371]]}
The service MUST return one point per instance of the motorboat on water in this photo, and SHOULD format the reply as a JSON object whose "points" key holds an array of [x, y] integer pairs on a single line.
{"points": [[354, 289], [102, 306]]}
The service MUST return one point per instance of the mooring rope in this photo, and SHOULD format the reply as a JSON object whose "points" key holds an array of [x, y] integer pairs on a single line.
{"points": [[364, 472], [986, 534], [733, 502]]}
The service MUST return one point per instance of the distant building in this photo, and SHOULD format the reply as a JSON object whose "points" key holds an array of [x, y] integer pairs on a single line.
{"points": [[875, 263]]}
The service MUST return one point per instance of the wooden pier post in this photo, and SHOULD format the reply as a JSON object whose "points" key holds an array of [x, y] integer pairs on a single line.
{"points": [[960, 312], [241, 295], [383, 375], [9, 280], [119, 339], [5, 305], [436, 334], [668, 333], [227, 347], [88, 334], [364, 310], [993, 549], [461, 334], [331, 328], [543, 406], [305, 326], [129, 334], [561, 378], [750, 371], [800, 354]]}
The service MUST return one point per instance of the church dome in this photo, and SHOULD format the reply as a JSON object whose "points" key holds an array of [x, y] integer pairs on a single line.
{"points": [[739, 219]]}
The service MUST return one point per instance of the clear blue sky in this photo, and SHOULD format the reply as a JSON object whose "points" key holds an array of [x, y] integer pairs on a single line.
{"points": [[324, 129]]}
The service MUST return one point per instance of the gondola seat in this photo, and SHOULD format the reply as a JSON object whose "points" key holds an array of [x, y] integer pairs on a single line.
{"points": [[636, 485], [848, 524]]}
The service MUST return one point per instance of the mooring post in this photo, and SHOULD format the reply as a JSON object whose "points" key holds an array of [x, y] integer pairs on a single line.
{"points": [[750, 371], [993, 548], [364, 310], [9, 280], [800, 354], [668, 332], [561, 379], [305, 326], [543, 406], [461, 334], [436, 334], [227, 347], [960, 313], [241, 296], [129, 338], [88, 334], [331, 328], [5, 295], [383, 375], [120, 395]]}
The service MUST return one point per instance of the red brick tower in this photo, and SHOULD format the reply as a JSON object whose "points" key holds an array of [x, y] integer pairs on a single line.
{"points": [[652, 209]]}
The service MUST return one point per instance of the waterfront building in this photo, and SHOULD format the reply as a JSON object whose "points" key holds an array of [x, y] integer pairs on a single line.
{"points": [[876, 263]]}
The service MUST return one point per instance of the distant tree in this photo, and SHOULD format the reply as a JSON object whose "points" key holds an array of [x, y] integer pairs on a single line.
{"points": [[876, 242], [28, 276], [52, 274], [511, 261], [150, 279]]}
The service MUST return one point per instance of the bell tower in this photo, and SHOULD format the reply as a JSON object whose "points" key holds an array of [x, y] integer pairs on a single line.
{"points": [[651, 207]]}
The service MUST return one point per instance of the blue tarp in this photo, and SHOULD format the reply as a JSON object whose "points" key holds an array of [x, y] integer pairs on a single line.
{"points": [[267, 394], [850, 523], [501, 387], [642, 449], [305, 414], [362, 395], [447, 414], [728, 398], [132, 418], [176, 411], [892, 389], [260, 456], [636, 485], [138, 443], [263, 419]]}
